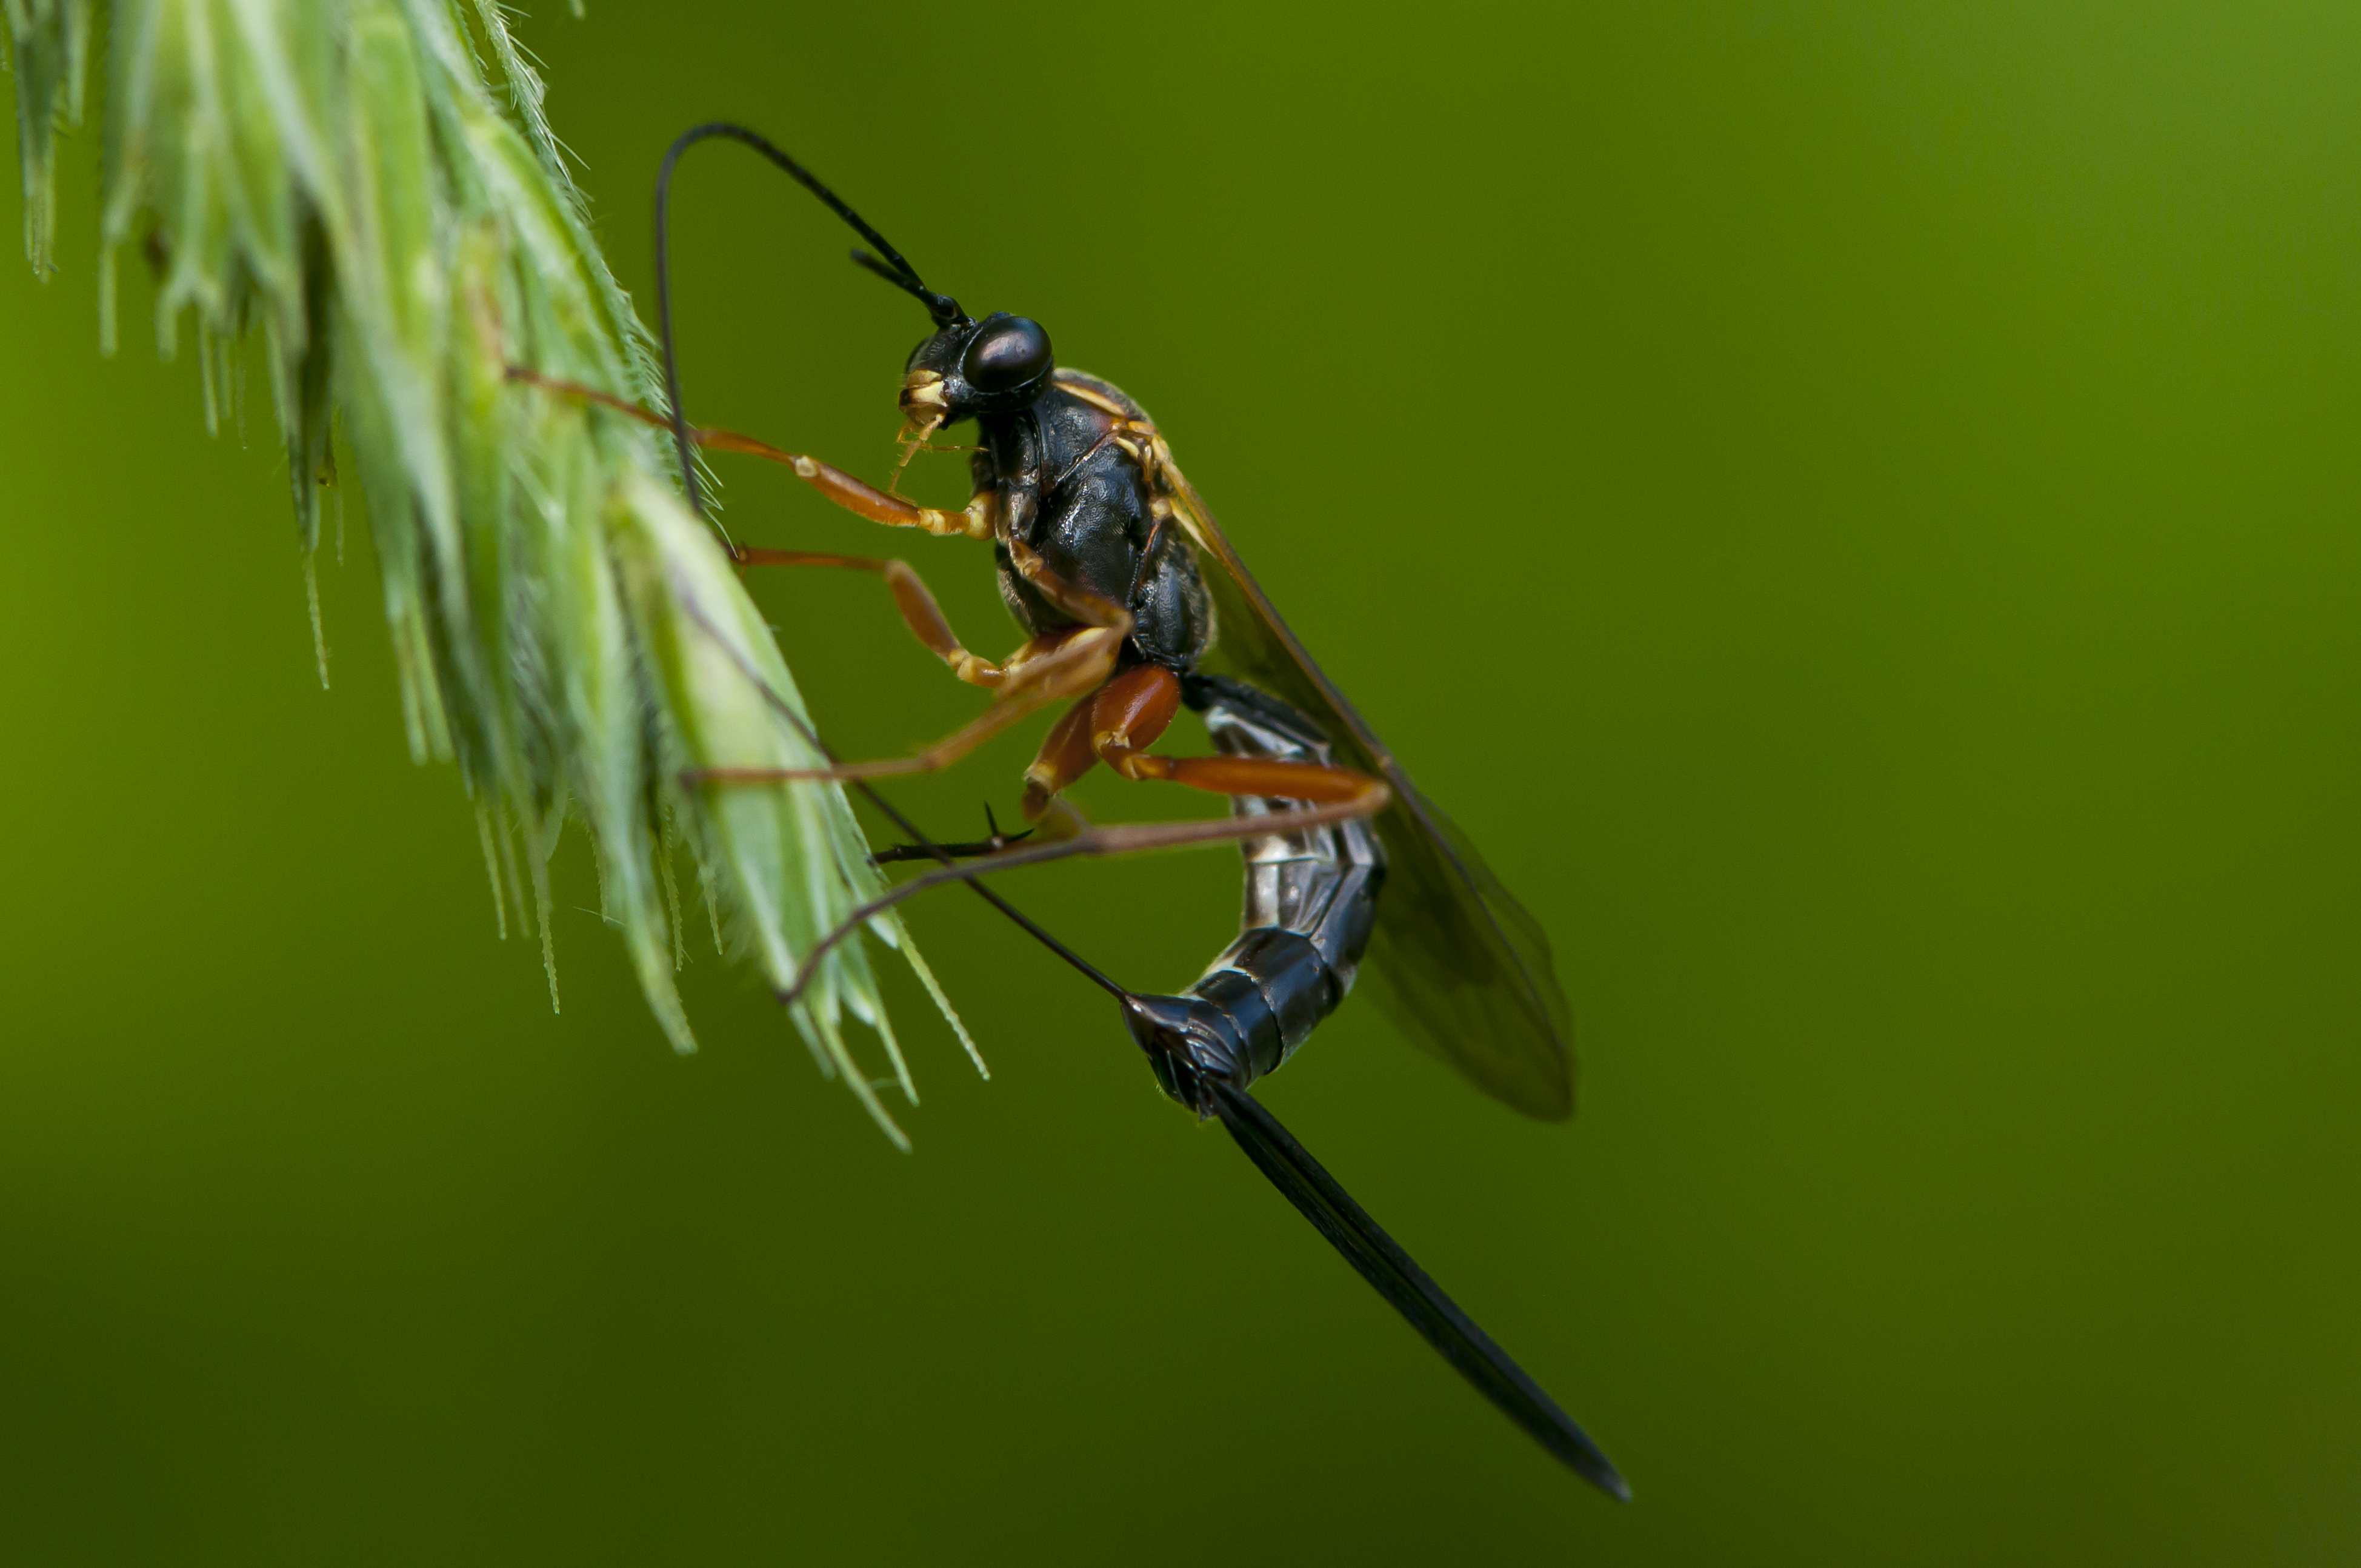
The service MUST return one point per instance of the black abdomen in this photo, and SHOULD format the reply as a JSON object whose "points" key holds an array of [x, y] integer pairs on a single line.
{"points": [[1310, 899]]}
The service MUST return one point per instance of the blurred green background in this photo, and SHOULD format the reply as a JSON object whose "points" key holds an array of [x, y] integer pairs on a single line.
{"points": [[1852, 504]]}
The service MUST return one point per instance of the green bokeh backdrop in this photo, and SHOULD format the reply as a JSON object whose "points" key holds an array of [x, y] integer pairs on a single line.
{"points": [[1853, 505]]}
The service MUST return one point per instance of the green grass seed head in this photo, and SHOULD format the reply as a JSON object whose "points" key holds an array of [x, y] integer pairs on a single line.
{"points": [[370, 188]]}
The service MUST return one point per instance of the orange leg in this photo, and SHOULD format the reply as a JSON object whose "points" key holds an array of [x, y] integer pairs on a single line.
{"points": [[1115, 724], [1111, 725], [852, 494], [1049, 668], [1046, 670], [975, 521], [920, 611], [1066, 755], [1263, 776]]}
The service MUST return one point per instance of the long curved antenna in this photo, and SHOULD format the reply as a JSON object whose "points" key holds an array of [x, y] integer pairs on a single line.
{"points": [[893, 268], [942, 307]]}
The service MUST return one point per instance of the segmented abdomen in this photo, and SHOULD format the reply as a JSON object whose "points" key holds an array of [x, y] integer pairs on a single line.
{"points": [[1310, 899]]}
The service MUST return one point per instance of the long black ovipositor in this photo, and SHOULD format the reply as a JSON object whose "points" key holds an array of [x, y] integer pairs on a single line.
{"points": [[1396, 1276]]}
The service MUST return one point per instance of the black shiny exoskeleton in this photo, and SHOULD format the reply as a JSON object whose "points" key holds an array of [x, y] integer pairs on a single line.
{"points": [[1062, 485], [1098, 535], [1311, 904]]}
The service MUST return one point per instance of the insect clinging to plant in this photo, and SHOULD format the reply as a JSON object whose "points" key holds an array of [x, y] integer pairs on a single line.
{"points": [[1136, 605]]}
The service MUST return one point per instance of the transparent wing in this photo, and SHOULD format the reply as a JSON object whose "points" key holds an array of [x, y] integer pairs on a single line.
{"points": [[1458, 964]]}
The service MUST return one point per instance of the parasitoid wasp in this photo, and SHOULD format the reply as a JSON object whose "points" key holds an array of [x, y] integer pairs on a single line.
{"points": [[1116, 568]]}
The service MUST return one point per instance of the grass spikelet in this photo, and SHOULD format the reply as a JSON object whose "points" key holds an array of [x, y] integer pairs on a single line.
{"points": [[369, 187]]}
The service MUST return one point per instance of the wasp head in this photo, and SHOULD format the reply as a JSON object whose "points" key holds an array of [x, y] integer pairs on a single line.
{"points": [[970, 367]]}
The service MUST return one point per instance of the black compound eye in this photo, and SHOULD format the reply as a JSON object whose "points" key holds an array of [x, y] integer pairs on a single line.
{"points": [[1005, 355]]}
